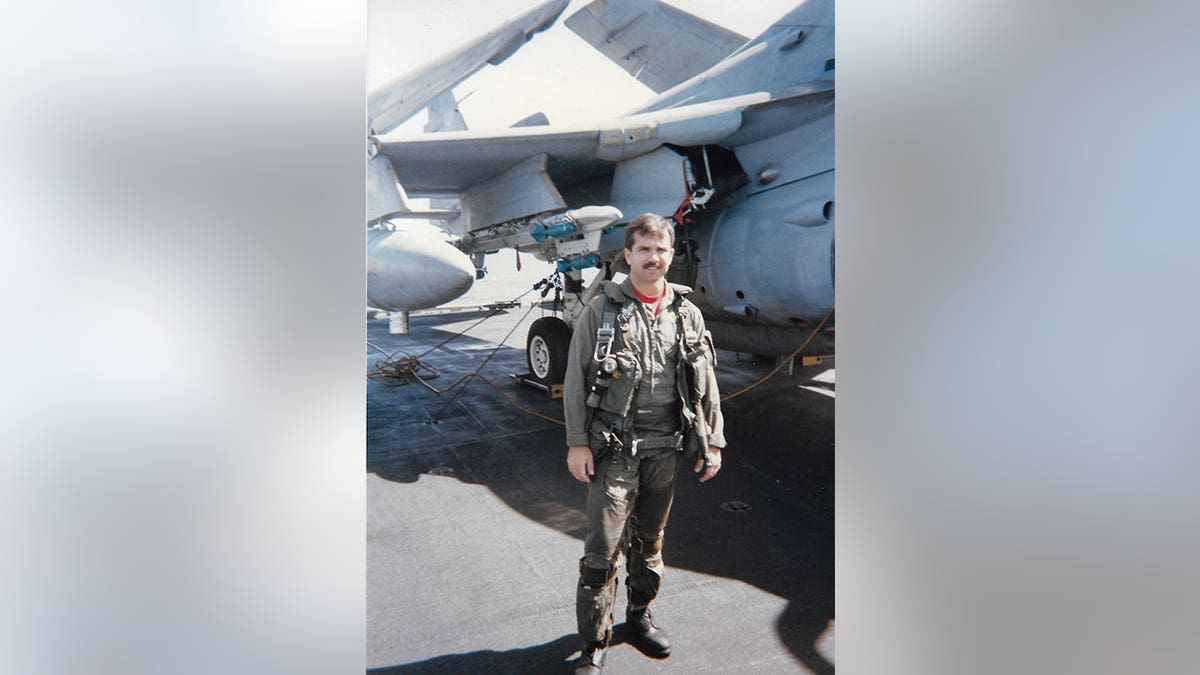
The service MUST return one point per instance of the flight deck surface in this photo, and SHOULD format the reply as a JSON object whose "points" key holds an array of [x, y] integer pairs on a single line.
{"points": [[474, 525]]}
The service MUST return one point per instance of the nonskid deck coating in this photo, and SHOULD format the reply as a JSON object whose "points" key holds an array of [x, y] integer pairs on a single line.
{"points": [[475, 527]]}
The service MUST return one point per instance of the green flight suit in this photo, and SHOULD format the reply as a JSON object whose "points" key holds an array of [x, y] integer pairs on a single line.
{"points": [[630, 495]]}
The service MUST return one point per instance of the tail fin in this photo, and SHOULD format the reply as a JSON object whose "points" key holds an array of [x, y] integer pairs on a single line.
{"points": [[444, 114]]}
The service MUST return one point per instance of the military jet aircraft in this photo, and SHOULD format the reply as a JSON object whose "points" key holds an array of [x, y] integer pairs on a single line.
{"points": [[411, 264], [737, 147]]}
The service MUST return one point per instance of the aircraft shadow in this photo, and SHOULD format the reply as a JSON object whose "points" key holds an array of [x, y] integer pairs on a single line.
{"points": [[766, 520]]}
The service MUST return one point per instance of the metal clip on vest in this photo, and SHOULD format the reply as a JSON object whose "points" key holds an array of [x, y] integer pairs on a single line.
{"points": [[604, 373], [604, 340], [605, 364]]}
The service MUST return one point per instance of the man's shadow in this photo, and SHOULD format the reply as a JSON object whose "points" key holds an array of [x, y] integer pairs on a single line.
{"points": [[550, 657], [555, 656]]}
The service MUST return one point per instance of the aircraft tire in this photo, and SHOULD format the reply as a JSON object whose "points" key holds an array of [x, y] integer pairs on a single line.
{"points": [[546, 350]]}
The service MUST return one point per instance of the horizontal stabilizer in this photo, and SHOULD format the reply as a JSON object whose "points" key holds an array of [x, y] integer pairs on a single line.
{"points": [[658, 44]]}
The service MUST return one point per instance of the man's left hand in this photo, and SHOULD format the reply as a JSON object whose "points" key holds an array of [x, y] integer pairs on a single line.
{"points": [[714, 464]]}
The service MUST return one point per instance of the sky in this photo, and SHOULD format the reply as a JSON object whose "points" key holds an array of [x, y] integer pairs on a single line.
{"points": [[556, 72]]}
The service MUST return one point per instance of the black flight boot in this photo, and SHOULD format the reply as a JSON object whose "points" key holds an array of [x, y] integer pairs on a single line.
{"points": [[592, 659], [650, 637]]}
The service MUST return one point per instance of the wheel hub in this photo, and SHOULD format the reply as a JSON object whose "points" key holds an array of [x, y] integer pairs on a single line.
{"points": [[539, 356]]}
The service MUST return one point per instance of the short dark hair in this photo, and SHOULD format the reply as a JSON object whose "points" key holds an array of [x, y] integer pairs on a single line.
{"points": [[649, 223]]}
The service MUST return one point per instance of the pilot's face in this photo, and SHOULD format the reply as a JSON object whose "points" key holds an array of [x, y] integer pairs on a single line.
{"points": [[649, 259]]}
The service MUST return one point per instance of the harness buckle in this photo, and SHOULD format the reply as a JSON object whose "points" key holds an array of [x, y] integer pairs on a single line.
{"points": [[604, 340]]}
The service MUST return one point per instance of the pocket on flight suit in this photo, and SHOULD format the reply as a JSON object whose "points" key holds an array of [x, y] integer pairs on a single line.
{"points": [[700, 359], [619, 478], [619, 396], [696, 365]]}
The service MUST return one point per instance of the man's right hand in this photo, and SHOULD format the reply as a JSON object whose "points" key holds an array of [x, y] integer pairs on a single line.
{"points": [[579, 461]]}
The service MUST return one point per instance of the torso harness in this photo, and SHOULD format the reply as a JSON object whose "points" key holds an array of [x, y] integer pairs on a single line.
{"points": [[624, 368]]}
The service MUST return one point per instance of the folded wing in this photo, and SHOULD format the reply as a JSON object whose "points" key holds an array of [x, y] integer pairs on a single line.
{"points": [[394, 102], [658, 44]]}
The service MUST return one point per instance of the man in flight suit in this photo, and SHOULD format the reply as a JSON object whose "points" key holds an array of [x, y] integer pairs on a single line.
{"points": [[640, 389]]}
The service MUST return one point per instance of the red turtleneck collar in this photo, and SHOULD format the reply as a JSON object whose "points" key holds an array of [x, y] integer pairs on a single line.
{"points": [[651, 301]]}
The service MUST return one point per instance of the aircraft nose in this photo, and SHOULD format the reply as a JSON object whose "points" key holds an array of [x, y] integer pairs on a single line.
{"points": [[415, 268]]}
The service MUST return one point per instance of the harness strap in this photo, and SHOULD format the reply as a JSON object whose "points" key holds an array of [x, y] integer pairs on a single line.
{"points": [[612, 315], [684, 338], [604, 334], [675, 441], [647, 547], [681, 384], [593, 578]]}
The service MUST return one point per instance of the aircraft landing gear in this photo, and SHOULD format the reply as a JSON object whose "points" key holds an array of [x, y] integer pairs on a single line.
{"points": [[546, 350]]}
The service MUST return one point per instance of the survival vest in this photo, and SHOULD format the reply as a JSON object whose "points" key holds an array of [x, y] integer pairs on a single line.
{"points": [[616, 373]]}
